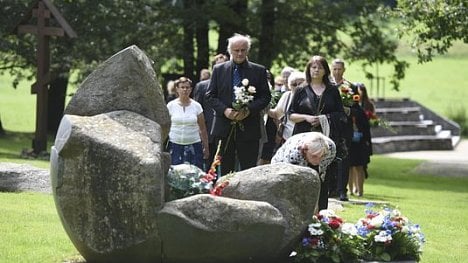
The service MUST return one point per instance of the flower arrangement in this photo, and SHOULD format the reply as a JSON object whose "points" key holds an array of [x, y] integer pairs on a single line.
{"points": [[385, 235], [376, 121], [186, 180], [275, 97], [390, 236], [243, 95], [329, 239], [347, 95]]}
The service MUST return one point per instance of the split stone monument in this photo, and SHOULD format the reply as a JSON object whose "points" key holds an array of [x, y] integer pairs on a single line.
{"points": [[108, 173]]}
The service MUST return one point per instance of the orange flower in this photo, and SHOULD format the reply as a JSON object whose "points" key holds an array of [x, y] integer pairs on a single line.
{"points": [[356, 98]]}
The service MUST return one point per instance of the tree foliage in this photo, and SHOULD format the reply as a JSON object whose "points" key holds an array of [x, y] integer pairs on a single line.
{"points": [[176, 33], [432, 26]]}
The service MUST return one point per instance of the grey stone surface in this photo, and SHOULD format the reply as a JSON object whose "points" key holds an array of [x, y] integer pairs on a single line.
{"points": [[293, 189], [125, 81], [107, 175], [209, 229], [23, 177]]}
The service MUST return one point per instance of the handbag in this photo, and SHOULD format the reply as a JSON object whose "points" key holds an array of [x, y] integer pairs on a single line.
{"points": [[282, 123]]}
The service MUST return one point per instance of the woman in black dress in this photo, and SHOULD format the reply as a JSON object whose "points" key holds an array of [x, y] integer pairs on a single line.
{"points": [[318, 107], [360, 150]]}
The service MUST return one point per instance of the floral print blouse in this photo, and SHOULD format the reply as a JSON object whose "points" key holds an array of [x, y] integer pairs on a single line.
{"points": [[290, 152]]}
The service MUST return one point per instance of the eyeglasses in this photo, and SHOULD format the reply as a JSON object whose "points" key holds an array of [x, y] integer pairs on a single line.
{"points": [[295, 84]]}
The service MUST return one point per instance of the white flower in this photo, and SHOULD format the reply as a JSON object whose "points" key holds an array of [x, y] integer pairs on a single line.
{"points": [[327, 213], [383, 237], [314, 229], [396, 213], [377, 221], [349, 229], [251, 89], [245, 82], [404, 229]]}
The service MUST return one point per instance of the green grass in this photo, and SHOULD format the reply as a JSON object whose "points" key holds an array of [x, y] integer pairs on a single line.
{"points": [[438, 85], [31, 231], [437, 203]]}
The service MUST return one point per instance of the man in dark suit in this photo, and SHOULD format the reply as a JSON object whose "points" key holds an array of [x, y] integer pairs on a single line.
{"points": [[239, 130], [199, 94]]}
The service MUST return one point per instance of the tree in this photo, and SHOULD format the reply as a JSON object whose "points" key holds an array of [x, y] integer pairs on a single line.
{"points": [[109, 27], [432, 26], [176, 34]]}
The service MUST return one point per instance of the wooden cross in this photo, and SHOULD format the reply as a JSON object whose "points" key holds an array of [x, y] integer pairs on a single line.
{"points": [[43, 10]]}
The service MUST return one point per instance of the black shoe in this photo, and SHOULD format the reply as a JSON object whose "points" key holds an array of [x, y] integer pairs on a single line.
{"points": [[343, 197], [332, 194]]}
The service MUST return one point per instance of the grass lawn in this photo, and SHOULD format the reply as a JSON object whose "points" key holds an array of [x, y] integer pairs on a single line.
{"points": [[437, 203], [31, 230]]}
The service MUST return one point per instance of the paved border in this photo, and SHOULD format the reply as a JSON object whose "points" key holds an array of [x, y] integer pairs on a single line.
{"points": [[443, 163]]}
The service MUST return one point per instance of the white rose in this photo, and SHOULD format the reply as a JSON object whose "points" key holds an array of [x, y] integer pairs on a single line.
{"points": [[383, 237], [252, 89], [377, 221], [349, 229], [327, 213], [245, 82]]}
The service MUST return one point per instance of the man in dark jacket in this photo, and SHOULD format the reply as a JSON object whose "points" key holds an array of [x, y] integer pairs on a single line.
{"points": [[238, 129]]}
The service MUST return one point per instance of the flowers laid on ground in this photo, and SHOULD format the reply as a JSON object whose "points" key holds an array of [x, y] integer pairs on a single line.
{"points": [[390, 236], [347, 95], [186, 180], [385, 235], [329, 239]]}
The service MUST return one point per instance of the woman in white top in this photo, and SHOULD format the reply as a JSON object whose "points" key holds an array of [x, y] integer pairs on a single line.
{"points": [[295, 80], [188, 138]]}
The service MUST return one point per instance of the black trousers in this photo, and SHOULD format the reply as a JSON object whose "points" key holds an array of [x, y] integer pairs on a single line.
{"points": [[342, 175], [244, 153], [323, 197]]}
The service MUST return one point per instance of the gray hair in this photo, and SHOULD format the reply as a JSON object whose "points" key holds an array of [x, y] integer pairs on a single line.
{"points": [[338, 61], [295, 75], [316, 142], [238, 38]]}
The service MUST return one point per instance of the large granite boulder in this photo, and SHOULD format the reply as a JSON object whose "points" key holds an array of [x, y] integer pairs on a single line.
{"points": [[292, 189], [107, 175], [125, 81], [210, 229]]}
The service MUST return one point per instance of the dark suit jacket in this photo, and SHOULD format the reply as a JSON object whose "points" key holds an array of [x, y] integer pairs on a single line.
{"points": [[220, 97], [199, 94]]}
